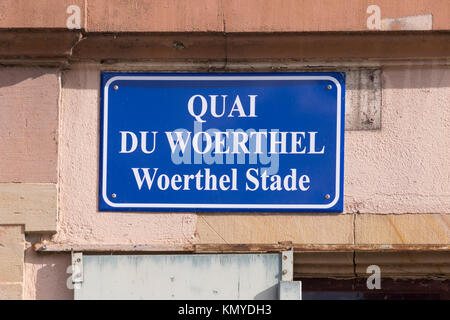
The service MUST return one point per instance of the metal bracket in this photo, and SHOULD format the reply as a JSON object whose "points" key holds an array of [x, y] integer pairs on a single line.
{"points": [[77, 268], [290, 290], [287, 265], [287, 288]]}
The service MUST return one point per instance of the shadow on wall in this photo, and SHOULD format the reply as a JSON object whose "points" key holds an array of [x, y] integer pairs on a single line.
{"points": [[268, 294], [433, 75], [15, 75], [46, 276]]}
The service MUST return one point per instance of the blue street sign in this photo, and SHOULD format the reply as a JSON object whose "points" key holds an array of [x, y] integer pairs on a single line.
{"points": [[222, 142]]}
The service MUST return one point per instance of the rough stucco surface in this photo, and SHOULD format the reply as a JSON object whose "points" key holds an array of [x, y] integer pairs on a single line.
{"points": [[46, 276], [79, 220], [395, 177], [402, 168]]}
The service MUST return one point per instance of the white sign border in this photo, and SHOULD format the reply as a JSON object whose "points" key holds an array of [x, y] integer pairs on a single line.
{"points": [[221, 206]]}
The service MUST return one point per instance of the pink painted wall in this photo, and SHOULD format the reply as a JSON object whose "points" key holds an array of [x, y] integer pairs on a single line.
{"points": [[402, 168], [46, 276], [210, 15], [79, 221], [29, 99]]}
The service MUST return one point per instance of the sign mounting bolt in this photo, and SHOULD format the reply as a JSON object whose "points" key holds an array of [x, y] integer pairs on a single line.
{"points": [[116, 87], [114, 195], [329, 87], [327, 196]]}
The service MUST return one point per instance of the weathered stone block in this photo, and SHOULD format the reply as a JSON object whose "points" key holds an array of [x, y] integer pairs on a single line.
{"points": [[403, 229], [29, 124], [11, 253], [265, 228], [30, 204]]}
